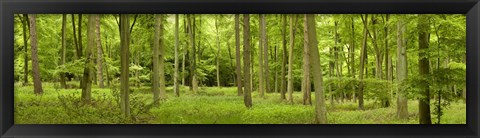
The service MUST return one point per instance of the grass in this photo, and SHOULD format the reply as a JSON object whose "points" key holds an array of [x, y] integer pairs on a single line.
{"points": [[210, 106]]}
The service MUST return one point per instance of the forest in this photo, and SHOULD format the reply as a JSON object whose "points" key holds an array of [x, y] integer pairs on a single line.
{"points": [[240, 69]]}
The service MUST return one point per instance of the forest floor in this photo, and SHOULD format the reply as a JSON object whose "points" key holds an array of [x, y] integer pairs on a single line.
{"points": [[210, 106]]}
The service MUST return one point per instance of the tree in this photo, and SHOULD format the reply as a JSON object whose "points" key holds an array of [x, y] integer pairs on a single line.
{"points": [[25, 23], [320, 108], [284, 58], [63, 51], [88, 69], [237, 55], [402, 110], [247, 99], [363, 55], [261, 72], [77, 50], [306, 67], [424, 69], [194, 85], [176, 88], [218, 52], [124, 60], [290, 61], [37, 83], [265, 53], [99, 54]]}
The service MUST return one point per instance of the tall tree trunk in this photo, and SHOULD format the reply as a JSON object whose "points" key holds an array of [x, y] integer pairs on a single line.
{"points": [[99, 55], [37, 83], [290, 62], [176, 88], [63, 83], [246, 59], [161, 56], [218, 52], [155, 60], [363, 54], [402, 110], [192, 42], [80, 42], [284, 58], [424, 69], [306, 66], [237, 55], [352, 58], [265, 54], [124, 59], [25, 23], [109, 56], [388, 57], [88, 70], [185, 52], [320, 109], [77, 50], [261, 72]]}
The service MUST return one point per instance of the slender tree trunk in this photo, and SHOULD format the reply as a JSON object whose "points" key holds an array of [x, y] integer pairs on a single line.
{"points": [[320, 109], [402, 110], [25, 23], [176, 88], [284, 58], [352, 59], [246, 59], [88, 70], [290, 62], [80, 42], [237, 55], [77, 50], [306, 66], [424, 69], [161, 56], [261, 72], [63, 83], [185, 52], [218, 52], [363, 54], [193, 86], [124, 59], [99, 55], [265, 54], [37, 83], [155, 60]]}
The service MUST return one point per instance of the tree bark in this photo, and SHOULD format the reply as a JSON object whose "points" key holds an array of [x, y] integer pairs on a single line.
{"points": [[176, 88], [306, 66], [284, 58], [37, 83], [261, 72], [363, 54], [63, 83], [402, 110], [424, 69], [237, 55], [124, 60], [265, 54], [290, 62], [246, 59], [218, 52], [99, 55], [25, 23], [88, 70], [191, 30], [320, 109]]}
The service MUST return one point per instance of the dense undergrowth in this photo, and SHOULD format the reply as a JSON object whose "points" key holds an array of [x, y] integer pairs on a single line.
{"points": [[209, 106]]}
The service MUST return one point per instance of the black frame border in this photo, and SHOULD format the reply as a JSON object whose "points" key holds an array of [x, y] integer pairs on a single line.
{"points": [[9, 7]]}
